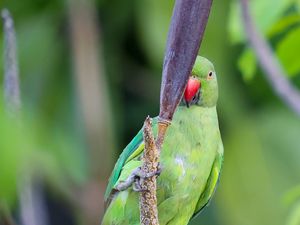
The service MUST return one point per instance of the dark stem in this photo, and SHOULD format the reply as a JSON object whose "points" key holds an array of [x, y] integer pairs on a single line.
{"points": [[186, 31], [269, 63]]}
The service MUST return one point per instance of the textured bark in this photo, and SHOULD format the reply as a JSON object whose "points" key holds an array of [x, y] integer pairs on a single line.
{"points": [[148, 201]]}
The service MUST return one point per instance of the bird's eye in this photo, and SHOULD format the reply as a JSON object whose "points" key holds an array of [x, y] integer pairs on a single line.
{"points": [[210, 75]]}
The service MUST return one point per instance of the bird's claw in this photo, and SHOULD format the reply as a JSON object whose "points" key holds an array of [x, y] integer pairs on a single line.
{"points": [[136, 178], [137, 187]]}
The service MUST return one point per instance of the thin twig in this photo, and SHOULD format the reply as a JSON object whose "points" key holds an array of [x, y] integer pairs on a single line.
{"points": [[269, 63], [148, 200]]}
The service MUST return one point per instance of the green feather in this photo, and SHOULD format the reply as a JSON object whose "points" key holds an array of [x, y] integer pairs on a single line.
{"points": [[133, 149], [211, 184]]}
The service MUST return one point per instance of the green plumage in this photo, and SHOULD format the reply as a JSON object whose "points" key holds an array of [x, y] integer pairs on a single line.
{"points": [[191, 160]]}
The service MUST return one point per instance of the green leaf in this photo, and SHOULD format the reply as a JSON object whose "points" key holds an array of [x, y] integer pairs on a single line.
{"points": [[288, 52], [265, 14], [283, 24], [236, 34], [292, 195], [247, 64]]}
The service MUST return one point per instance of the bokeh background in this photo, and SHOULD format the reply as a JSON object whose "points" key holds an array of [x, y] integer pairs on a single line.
{"points": [[90, 73]]}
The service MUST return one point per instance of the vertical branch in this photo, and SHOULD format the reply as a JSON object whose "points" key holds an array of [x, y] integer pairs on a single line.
{"points": [[11, 73], [11, 86], [30, 192], [148, 200], [272, 69], [91, 84], [92, 91]]}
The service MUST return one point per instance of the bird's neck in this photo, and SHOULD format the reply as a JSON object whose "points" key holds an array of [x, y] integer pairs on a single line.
{"points": [[195, 114]]}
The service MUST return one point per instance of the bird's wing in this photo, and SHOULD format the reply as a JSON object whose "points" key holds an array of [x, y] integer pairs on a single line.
{"points": [[131, 151], [211, 182]]}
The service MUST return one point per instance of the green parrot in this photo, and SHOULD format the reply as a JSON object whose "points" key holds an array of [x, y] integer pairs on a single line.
{"points": [[191, 158]]}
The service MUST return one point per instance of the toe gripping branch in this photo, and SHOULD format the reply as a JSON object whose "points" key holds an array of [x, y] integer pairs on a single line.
{"points": [[136, 178]]}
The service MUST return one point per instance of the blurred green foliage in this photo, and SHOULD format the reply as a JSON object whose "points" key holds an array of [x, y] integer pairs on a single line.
{"points": [[261, 136], [294, 217], [29, 148], [279, 21]]}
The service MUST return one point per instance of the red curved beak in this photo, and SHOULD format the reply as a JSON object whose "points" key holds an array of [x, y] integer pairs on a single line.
{"points": [[191, 89]]}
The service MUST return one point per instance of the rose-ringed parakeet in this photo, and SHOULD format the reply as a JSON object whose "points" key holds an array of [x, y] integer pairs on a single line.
{"points": [[191, 158]]}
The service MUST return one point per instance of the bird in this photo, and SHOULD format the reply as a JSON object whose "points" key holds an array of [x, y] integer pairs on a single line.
{"points": [[191, 158]]}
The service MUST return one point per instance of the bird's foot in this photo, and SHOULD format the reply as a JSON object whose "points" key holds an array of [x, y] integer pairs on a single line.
{"points": [[136, 178], [137, 184]]}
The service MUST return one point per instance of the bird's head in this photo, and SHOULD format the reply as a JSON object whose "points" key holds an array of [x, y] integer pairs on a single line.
{"points": [[202, 86]]}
